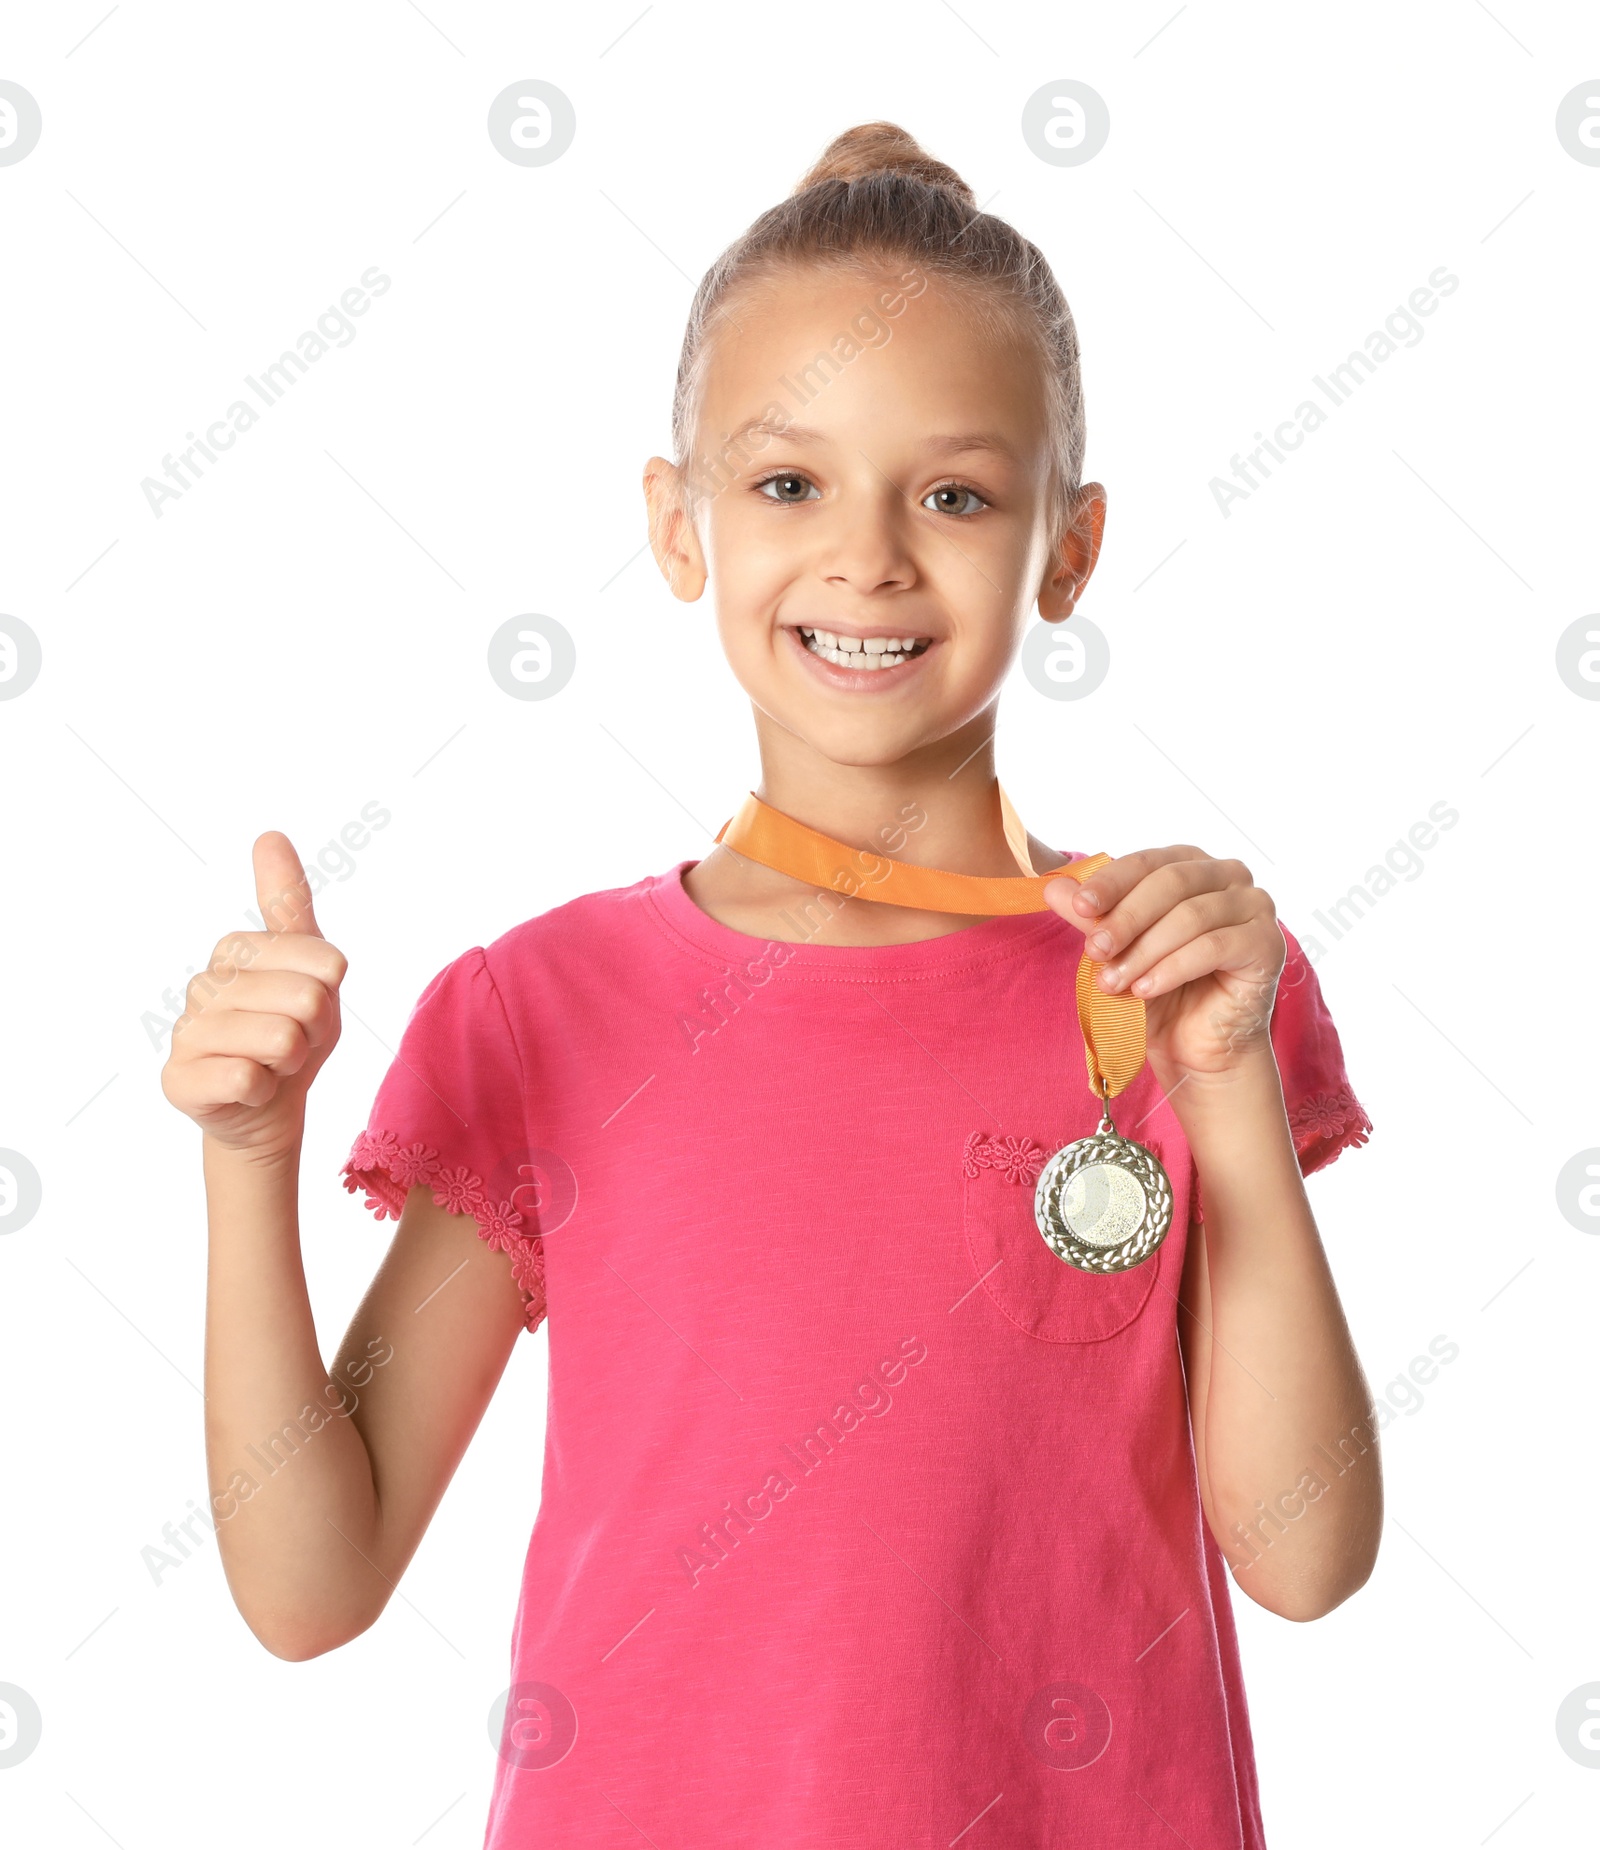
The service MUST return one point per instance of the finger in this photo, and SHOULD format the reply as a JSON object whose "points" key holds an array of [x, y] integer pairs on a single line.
{"points": [[216, 1082], [283, 894], [293, 951], [1102, 890], [277, 1042], [1233, 949], [1190, 918], [1164, 885], [235, 951], [275, 950], [267, 992]]}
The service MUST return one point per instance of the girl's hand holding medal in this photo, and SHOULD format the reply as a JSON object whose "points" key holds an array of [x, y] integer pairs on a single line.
{"points": [[1197, 941]]}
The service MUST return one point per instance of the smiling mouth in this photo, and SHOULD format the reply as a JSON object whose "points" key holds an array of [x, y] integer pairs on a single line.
{"points": [[865, 652]]}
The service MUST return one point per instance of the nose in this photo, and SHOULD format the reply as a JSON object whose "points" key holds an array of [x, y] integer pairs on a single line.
{"points": [[866, 548]]}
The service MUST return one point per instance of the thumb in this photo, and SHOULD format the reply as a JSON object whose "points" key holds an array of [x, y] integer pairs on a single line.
{"points": [[283, 894]]}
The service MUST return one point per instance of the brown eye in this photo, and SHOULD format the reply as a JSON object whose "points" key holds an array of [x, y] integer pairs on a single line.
{"points": [[950, 499], [792, 488]]}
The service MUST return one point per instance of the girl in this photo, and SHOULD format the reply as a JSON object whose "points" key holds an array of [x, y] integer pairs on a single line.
{"points": [[865, 1518]]}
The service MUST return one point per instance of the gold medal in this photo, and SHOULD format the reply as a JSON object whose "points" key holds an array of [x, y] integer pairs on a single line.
{"points": [[1102, 1203]]}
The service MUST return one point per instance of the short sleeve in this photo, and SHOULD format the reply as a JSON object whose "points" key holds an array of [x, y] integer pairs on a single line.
{"points": [[1325, 1115], [449, 1116]]}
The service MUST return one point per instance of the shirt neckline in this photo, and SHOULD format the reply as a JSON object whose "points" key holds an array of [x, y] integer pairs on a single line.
{"points": [[969, 944]]}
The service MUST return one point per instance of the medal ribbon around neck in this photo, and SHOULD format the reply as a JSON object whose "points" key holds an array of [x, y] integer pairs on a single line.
{"points": [[1112, 1024]]}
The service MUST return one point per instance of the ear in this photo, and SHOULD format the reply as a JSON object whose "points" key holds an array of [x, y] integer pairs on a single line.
{"points": [[1074, 556], [673, 538]]}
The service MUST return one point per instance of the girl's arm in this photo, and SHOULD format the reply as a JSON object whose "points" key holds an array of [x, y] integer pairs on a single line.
{"points": [[1286, 1454], [322, 1480], [1279, 1407]]}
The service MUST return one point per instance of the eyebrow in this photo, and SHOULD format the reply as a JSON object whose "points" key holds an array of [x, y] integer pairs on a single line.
{"points": [[956, 444]]}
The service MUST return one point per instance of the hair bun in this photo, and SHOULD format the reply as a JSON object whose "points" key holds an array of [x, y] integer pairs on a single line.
{"points": [[883, 147]]}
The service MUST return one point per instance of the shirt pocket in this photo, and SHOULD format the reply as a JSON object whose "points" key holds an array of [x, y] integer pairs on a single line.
{"points": [[1041, 1294]]}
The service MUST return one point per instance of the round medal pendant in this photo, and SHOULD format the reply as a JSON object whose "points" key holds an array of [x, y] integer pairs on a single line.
{"points": [[1104, 1203]]}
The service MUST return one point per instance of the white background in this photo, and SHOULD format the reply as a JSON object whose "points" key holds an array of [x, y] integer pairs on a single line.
{"points": [[1371, 633]]}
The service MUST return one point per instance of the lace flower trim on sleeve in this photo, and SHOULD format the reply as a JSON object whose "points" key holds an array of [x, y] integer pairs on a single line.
{"points": [[386, 1169], [1321, 1125], [1325, 1124]]}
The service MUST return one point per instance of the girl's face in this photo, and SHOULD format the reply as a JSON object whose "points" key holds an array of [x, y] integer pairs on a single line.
{"points": [[870, 485]]}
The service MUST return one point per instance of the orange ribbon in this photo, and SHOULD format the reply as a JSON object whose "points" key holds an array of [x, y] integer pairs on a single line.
{"points": [[1112, 1024]]}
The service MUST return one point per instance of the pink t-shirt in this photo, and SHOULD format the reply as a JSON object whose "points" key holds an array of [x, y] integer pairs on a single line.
{"points": [[864, 1517]]}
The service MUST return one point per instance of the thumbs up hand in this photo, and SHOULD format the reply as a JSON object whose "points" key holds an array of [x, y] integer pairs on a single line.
{"points": [[261, 1019]]}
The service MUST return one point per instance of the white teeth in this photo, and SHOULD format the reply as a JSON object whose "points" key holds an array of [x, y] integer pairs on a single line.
{"points": [[862, 652]]}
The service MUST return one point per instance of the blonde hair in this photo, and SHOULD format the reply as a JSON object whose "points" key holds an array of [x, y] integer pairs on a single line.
{"points": [[875, 194]]}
